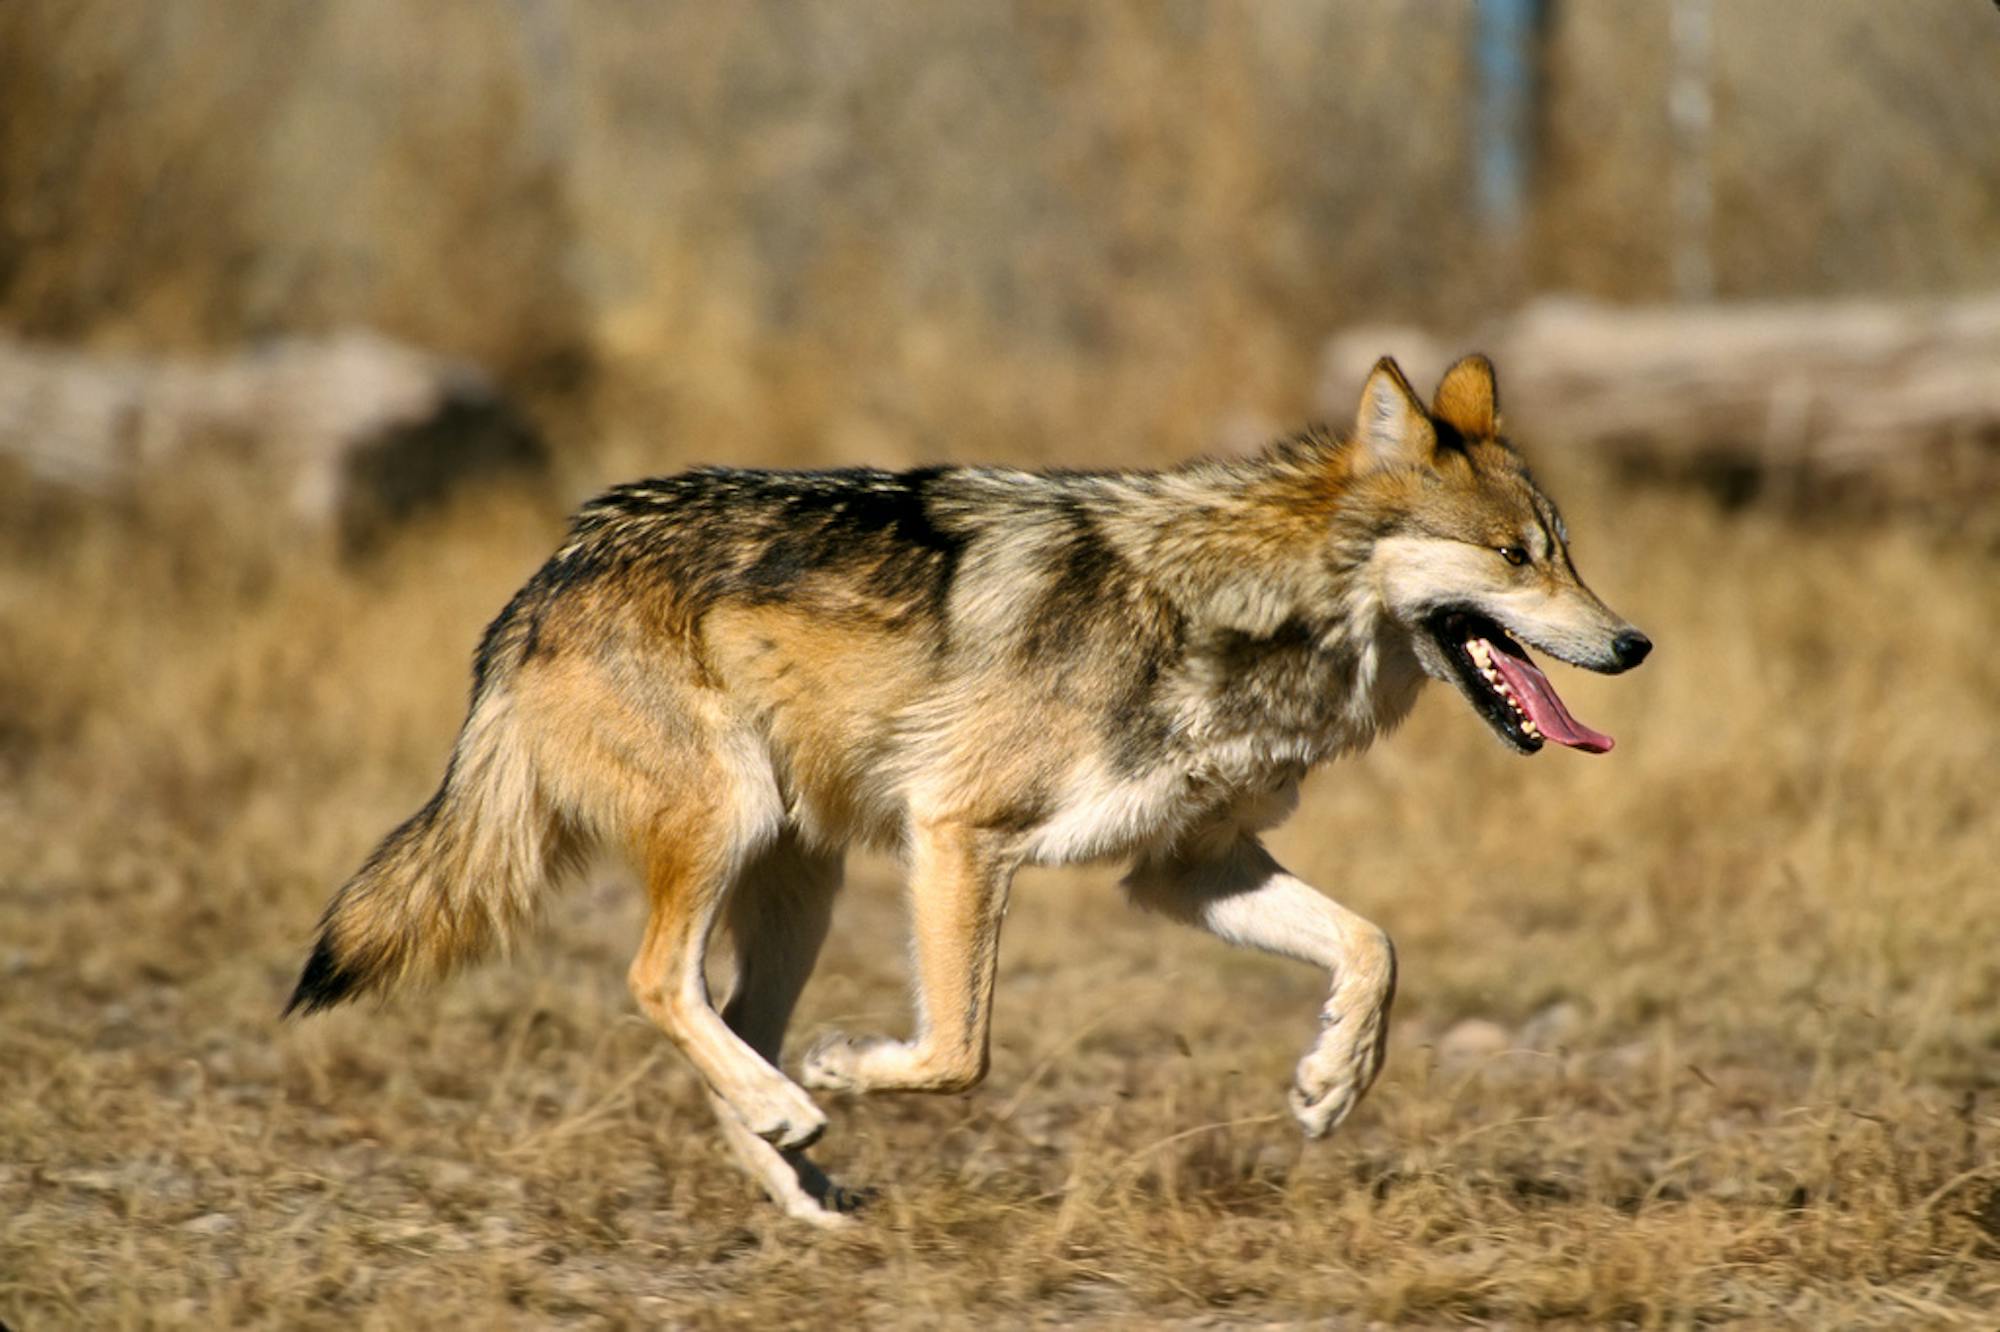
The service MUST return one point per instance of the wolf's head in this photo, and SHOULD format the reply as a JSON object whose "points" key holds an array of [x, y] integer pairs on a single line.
{"points": [[1473, 560]]}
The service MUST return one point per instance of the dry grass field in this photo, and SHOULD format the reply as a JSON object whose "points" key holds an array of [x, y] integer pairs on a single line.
{"points": [[1704, 1030]]}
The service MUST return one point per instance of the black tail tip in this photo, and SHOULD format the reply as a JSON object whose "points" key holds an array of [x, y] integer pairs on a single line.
{"points": [[324, 983]]}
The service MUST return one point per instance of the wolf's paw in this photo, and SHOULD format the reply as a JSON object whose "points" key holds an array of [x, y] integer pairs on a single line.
{"points": [[837, 1062], [1320, 1110], [1328, 1084], [786, 1118], [826, 1218], [829, 1207], [829, 1204]]}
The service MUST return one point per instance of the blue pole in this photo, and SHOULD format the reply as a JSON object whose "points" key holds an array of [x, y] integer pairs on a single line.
{"points": [[1503, 111]]}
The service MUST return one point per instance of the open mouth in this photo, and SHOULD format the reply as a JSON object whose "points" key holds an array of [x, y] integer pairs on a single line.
{"points": [[1506, 686]]}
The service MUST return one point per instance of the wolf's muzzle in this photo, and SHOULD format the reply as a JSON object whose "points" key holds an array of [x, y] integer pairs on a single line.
{"points": [[1630, 648]]}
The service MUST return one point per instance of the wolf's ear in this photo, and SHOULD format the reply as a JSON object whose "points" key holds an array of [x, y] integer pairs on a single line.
{"points": [[1468, 400], [1391, 429]]}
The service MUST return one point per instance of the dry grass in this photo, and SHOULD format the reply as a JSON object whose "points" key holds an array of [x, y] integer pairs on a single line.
{"points": [[1743, 975], [1704, 1030]]}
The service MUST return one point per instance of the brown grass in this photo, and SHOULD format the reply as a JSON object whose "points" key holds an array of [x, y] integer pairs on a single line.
{"points": [[1742, 976], [1704, 1030]]}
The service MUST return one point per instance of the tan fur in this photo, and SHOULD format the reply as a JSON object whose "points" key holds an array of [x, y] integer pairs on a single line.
{"points": [[729, 677], [794, 680], [466, 873], [958, 894], [1468, 400]]}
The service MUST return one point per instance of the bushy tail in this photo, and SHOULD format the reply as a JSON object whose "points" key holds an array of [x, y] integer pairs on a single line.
{"points": [[463, 874]]}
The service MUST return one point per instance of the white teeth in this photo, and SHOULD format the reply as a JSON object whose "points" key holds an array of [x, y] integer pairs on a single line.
{"points": [[1481, 653]]}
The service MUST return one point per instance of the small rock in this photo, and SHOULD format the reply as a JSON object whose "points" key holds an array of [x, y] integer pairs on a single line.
{"points": [[212, 1223], [93, 1181], [1632, 1057], [1473, 1041], [1554, 1028], [1273, 1162]]}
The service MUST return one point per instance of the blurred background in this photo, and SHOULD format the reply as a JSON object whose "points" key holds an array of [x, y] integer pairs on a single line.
{"points": [[315, 319], [1099, 233]]}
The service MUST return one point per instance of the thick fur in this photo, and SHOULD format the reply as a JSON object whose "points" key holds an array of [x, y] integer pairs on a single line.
{"points": [[729, 676]]}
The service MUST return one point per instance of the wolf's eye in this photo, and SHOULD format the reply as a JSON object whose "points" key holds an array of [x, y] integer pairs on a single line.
{"points": [[1514, 555]]}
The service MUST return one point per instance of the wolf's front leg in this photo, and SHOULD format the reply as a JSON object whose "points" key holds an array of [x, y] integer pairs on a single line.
{"points": [[958, 894], [1235, 890]]}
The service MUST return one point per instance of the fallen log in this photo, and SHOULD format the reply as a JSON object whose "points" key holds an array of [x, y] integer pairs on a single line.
{"points": [[1851, 404], [349, 434]]}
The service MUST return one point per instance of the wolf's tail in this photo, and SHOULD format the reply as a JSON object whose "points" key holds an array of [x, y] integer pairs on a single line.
{"points": [[462, 875]]}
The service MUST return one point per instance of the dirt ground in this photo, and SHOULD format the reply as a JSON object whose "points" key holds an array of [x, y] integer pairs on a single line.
{"points": [[1704, 1030]]}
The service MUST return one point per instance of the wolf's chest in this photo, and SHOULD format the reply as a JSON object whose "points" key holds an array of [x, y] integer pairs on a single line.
{"points": [[1104, 814], [1237, 753], [1250, 713]]}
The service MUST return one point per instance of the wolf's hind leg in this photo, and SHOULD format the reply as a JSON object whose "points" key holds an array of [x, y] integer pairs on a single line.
{"points": [[1237, 892], [778, 915], [690, 868], [958, 894]]}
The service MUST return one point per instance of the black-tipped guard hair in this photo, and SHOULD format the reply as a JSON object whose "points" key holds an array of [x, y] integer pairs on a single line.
{"points": [[324, 983]]}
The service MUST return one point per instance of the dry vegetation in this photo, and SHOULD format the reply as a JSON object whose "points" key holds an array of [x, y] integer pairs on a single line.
{"points": [[1707, 1029], [1740, 977], [958, 227]]}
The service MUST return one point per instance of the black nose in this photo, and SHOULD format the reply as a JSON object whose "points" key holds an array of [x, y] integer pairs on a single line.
{"points": [[1630, 648]]}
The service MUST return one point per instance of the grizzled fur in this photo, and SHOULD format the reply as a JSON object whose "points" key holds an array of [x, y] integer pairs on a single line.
{"points": [[729, 676]]}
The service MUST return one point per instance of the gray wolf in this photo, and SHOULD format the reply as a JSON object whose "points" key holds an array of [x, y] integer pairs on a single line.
{"points": [[729, 676]]}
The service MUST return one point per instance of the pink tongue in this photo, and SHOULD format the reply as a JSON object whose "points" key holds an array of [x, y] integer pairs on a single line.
{"points": [[1538, 696]]}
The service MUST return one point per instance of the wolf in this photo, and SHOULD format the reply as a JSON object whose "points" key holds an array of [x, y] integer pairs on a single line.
{"points": [[729, 676]]}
